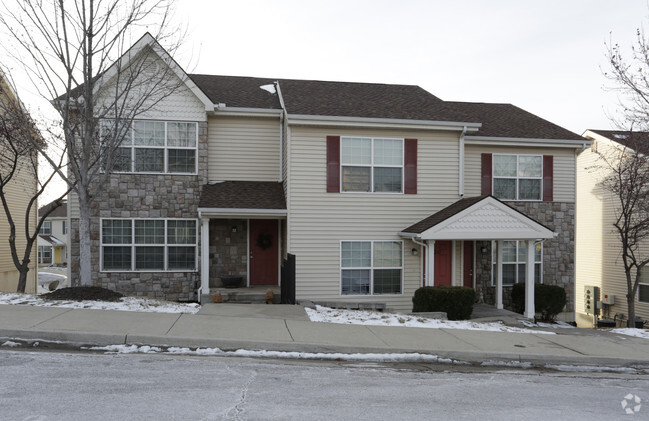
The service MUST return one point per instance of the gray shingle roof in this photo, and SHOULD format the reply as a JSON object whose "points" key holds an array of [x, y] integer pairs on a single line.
{"points": [[59, 211], [243, 195], [638, 141], [375, 100]]}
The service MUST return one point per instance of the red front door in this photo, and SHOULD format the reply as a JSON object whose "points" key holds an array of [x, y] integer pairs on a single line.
{"points": [[468, 264], [443, 263], [264, 251]]}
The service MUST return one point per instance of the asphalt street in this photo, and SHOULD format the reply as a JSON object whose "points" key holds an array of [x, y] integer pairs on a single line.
{"points": [[38, 385]]}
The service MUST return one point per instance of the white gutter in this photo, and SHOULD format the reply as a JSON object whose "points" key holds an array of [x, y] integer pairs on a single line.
{"points": [[378, 122], [461, 154], [241, 212], [519, 141], [224, 109]]}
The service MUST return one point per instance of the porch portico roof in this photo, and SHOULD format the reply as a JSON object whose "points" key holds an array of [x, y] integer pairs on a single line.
{"points": [[243, 199], [478, 218]]}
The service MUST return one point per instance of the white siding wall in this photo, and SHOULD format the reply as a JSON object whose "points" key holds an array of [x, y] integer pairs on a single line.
{"points": [[598, 248], [244, 148], [320, 220], [563, 176]]}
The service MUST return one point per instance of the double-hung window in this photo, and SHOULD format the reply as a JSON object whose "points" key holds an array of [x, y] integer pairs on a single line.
{"points": [[643, 287], [46, 228], [372, 164], [148, 244], [371, 267], [518, 177], [514, 262], [155, 147]]}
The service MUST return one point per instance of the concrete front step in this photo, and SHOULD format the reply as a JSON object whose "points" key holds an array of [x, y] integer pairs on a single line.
{"points": [[254, 295]]}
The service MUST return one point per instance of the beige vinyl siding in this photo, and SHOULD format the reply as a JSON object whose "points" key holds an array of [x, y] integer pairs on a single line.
{"points": [[18, 193], [244, 148], [320, 220], [598, 259], [563, 177]]}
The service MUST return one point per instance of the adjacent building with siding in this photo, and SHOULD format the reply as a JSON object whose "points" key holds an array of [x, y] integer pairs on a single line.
{"points": [[376, 189]]}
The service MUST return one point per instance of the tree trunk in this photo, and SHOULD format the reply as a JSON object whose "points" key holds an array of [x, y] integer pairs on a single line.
{"points": [[22, 279], [85, 261], [630, 303]]}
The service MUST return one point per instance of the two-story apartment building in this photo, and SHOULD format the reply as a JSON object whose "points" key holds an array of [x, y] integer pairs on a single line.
{"points": [[53, 235], [376, 189]]}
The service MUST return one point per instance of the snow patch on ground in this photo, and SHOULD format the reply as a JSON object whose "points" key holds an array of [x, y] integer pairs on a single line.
{"points": [[394, 357], [517, 364], [555, 325], [592, 369], [376, 318], [125, 304], [10, 344], [638, 333]]}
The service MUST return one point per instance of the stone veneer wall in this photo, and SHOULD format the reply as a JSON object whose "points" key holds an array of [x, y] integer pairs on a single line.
{"points": [[228, 250], [146, 196], [558, 252]]}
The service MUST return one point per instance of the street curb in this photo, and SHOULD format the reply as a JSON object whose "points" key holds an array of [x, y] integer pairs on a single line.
{"points": [[75, 340]]}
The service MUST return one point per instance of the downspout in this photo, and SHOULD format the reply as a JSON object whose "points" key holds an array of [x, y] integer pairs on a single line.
{"points": [[461, 154], [424, 274], [282, 117]]}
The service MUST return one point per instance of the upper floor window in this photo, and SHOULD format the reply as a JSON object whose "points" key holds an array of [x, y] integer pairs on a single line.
{"points": [[64, 227], [156, 147], [371, 165], [518, 177], [46, 228]]}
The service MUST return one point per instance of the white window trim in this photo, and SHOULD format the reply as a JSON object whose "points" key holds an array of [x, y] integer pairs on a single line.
{"points": [[493, 263], [166, 148], [46, 224], [493, 177], [371, 268], [638, 296], [132, 245], [372, 165]]}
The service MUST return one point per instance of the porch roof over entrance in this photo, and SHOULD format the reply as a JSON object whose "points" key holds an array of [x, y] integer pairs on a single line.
{"points": [[478, 218], [243, 198]]}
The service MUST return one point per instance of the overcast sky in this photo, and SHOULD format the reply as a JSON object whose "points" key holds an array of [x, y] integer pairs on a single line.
{"points": [[547, 56]]}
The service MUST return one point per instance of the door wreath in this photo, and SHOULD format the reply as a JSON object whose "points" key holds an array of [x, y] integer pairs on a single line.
{"points": [[264, 241]]}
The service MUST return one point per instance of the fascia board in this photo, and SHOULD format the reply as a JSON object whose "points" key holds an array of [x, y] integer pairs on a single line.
{"points": [[315, 120], [517, 141], [238, 213]]}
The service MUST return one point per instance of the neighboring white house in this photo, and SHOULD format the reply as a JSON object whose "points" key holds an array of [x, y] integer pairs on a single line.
{"points": [[53, 236]]}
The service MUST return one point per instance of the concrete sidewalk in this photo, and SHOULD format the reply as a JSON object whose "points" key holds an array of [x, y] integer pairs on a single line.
{"points": [[287, 328]]}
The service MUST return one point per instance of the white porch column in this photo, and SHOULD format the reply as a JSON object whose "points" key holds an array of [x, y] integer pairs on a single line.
{"points": [[205, 256], [499, 278], [529, 281], [430, 264]]}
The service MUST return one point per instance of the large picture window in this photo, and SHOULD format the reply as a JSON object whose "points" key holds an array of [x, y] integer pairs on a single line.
{"points": [[154, 147], [514, 258], [148, 244], [518, 177], [371, 267], [372, 165]]}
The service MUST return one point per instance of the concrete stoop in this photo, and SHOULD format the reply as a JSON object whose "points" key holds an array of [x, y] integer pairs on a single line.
{"points": [[253, 295]]}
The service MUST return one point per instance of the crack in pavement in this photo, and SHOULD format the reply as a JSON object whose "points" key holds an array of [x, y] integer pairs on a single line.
{"points": [[238, 408]]}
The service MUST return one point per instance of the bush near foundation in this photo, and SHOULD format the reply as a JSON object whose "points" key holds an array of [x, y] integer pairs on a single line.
{"points": [[549, 300], [457, 302]]}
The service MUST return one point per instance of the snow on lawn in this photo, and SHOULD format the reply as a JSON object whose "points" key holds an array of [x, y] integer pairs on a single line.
{"points": [[125, 304], [336, 356], [638, 333], [375, 318]]}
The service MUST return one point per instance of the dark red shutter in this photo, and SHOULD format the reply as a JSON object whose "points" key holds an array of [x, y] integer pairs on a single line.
{"points": [[410, 167], [486, 174], [548, 167], [333, 164]]}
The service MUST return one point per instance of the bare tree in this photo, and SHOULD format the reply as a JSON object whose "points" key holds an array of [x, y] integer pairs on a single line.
{"points": [[76, 52], [19, 163], [628, 167]]}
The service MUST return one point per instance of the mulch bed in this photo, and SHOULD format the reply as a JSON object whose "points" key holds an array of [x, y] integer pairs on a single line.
{"points": [[83, 293]]}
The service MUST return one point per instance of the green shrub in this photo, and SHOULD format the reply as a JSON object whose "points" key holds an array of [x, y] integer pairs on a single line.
{"points": [[549, 300], [457, 302]]}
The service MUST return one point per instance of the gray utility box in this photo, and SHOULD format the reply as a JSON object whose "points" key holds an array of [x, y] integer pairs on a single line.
{"points": [[591, 297]]}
